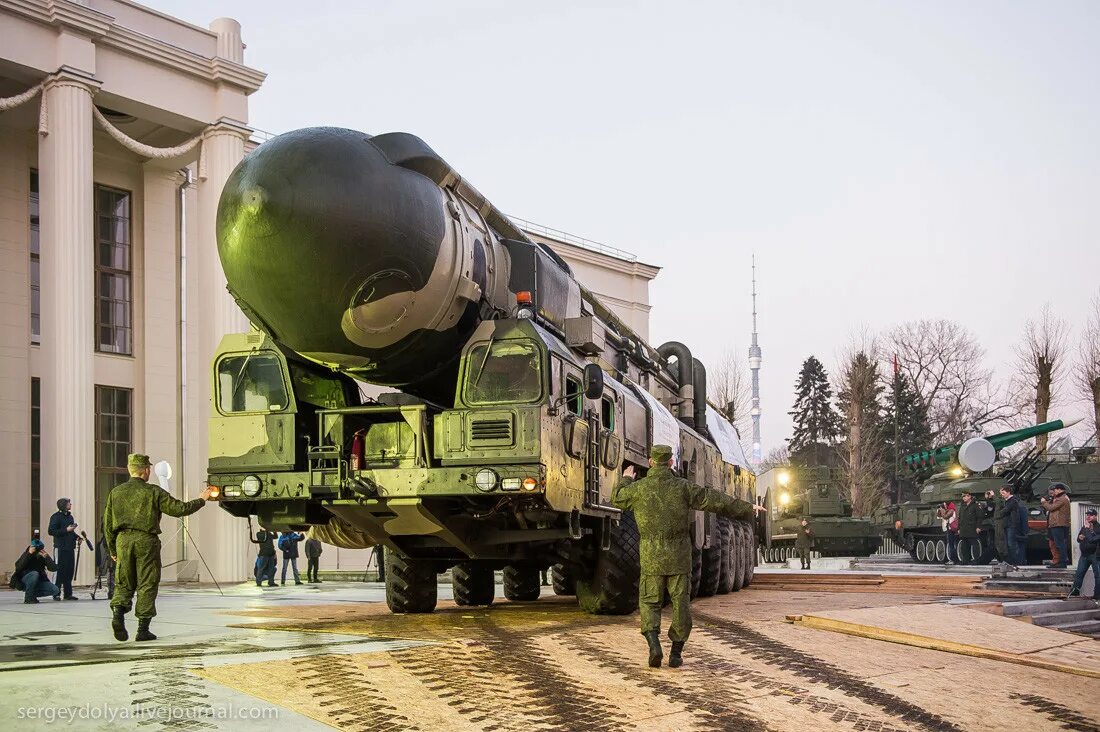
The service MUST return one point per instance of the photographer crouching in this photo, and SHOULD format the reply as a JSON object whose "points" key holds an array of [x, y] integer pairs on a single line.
{"points": [[32, 574]]}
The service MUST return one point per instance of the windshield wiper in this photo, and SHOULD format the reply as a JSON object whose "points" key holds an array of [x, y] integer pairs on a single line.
{"points": [[237, 379], [481, 368]]}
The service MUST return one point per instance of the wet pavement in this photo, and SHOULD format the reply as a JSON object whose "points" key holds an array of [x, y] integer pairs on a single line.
{"points": [[333, 657]]}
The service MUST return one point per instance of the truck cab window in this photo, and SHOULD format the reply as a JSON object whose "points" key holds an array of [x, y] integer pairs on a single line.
{"points": [[574, 399], [251, 382], [503, 372], [607, 413]]}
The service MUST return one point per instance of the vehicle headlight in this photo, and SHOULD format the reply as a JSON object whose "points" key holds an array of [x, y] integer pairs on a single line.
{"points": [[510, 484], [251, 486], [486, 479]]}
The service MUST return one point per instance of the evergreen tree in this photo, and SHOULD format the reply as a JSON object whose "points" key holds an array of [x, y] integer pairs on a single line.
{"points": [[863, 454], [816, 423], [914, 433]]}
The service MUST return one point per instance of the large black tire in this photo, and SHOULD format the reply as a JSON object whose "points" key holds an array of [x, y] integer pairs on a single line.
{"points": [[410, 584], [725, 567], [750, 555], [612, 588], [738, 555], [473, 584], [696, 570], [711, 571], [564, 581], [522, 584]]}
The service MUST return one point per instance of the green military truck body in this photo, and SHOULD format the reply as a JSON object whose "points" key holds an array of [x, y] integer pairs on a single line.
{"points": [[519, 397]]}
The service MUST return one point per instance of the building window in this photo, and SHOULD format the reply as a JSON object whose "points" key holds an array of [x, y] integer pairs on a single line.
{"points": [[36, 451], [113, 267], [36, 293], [112, 440]]}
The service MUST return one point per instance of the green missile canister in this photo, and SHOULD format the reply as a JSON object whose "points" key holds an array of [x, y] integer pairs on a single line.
{"points": [[978, 453]]}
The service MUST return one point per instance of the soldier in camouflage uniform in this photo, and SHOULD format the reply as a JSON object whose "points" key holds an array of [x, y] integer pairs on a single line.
{"points": [[662, 502], [804, 541], [131, 525]]}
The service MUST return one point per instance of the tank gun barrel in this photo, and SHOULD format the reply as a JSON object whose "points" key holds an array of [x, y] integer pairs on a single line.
{"points": [[949, 454]]}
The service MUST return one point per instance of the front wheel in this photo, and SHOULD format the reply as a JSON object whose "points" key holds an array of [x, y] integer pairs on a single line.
{"points": [[563, 579], [522, 584], [473, 584], [410, 584]]}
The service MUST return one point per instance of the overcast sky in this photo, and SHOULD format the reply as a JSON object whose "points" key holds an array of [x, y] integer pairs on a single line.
{"points": [[886, 161]]}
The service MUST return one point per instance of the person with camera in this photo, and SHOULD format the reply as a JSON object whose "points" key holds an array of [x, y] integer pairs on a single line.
{"points": [[1088, 540], [31, 574], [1057, 508], [65, 538]]}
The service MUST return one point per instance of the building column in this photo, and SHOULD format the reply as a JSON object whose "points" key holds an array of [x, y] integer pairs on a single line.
{"points": [[222, 538], [68, 271], [160, 352]]}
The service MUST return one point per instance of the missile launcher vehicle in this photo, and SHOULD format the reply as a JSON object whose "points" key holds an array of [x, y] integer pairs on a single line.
{"points": [[793, 493], [518, 400], [946, 473]]}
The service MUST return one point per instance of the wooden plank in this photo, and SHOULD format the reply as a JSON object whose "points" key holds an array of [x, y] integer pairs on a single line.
{"points": [[956, 623], [939, 644]]}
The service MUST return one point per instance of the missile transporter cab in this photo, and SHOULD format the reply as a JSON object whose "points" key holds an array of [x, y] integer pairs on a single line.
{"points": [[974, 466], [517, 398], [792, 493]]}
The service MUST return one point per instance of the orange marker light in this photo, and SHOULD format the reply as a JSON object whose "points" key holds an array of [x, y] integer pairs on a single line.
{"points": [[523, 297], [215, 491], [530, 484]]}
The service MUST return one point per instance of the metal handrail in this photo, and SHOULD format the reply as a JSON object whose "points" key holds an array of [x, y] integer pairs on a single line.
{"points": [[563, 236]]}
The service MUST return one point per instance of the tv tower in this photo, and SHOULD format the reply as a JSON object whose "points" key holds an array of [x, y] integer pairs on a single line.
{"points": [[754, 367]]}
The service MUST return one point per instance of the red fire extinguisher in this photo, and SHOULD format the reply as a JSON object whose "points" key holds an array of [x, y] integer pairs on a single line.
{"points": [[357, 449]]}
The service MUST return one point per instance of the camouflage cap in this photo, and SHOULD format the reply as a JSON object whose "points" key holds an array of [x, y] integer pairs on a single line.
{"points": [[660, 453], [137, 461]]}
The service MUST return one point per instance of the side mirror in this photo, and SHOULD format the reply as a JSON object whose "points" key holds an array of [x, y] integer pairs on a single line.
{"points": [[593, 381]]}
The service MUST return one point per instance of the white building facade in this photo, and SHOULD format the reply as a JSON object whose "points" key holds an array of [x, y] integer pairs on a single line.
{"points": [[118, 128], [113, 297]]}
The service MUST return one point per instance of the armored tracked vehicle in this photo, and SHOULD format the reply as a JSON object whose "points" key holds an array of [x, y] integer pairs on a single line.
{"points": [[518, 400], [792, 493], [946, 473]]}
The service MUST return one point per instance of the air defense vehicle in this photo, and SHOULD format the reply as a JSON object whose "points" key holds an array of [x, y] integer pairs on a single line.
{"points": [[518, 400], [973, 466], [790, 494]]}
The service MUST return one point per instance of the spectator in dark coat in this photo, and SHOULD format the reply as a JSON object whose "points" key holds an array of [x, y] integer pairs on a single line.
{"points": [[31, 574], [313, 559], [1088, 540], [265, 557], [1016, 527], [63, 530], [288, 542], [969, 516]]}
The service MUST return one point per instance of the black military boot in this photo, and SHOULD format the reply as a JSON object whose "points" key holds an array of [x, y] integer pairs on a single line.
{"points": [[143, 633], [675, 657], [653, 637], [118, 624]]}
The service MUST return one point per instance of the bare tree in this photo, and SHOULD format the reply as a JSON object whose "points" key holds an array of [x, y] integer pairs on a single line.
{"points": [[859, 390], [1088, 370], [776, 457], [946, 363], [728, 387], [1040, 358]]}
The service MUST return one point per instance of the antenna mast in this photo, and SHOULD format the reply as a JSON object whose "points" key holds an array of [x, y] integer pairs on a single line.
{"points": [[754, 367]]}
